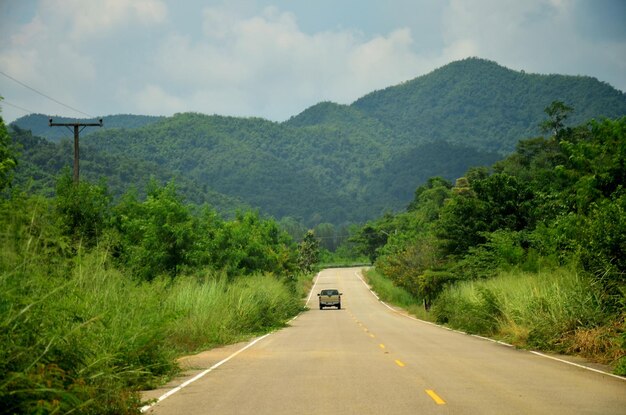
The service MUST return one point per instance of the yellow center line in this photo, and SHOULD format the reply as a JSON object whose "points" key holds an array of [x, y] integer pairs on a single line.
{"points": [[382, 346], [372, 336], [399, 363], [435, 397]]}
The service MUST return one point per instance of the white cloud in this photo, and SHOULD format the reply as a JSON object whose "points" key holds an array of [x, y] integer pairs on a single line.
{"points": [[138, 56], [217, 23], [60, 51], [535, 35], [153, 100], [86, 19], [267, 62], [383, 61]]}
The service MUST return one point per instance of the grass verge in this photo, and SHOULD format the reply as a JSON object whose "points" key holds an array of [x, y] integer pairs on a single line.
{"points": [[397, 296], [554, 311], [557, 311], [85, 338]]}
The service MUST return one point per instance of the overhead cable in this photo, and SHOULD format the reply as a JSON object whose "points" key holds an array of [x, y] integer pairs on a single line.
{"points": [[46, 96], [27, 111]]}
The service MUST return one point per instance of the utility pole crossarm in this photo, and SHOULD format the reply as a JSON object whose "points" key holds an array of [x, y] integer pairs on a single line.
{"points": [[76, 126]]}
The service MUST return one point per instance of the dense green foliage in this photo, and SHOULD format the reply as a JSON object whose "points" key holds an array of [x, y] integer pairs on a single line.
{"points": [[315, 174], [33, 123], [103, 283], [41, 161], [332, 163], [99, 296], [532, 250], [8, 160], [308, 252], [481, 104], [87, 338]]}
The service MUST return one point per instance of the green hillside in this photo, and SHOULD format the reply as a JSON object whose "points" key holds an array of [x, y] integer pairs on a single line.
{"points": [[479, 103], [331, 163], [41, 161], [38, 124]]}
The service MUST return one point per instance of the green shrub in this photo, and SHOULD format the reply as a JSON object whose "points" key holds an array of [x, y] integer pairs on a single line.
{"points": [[213, 311], [537, 308], [604, 248], [389, 292], [81, 342], [476, 311], [79, 334]]}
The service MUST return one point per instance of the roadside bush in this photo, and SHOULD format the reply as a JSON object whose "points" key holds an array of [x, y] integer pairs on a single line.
{"points": [[212, 311], [84, 342], [532, 310], [398, 296], [79, 334], [83, 209], [389, 292], [604, 249], [431, 284], [472, 308], [89, 341]]}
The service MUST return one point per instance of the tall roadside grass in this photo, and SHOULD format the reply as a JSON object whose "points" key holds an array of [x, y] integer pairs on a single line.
{"points": [[212, 311], [392, 294], [82, 337], [556, 311]]}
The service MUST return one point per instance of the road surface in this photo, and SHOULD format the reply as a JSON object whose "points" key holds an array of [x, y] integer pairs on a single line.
{"points": [[368, 359]]}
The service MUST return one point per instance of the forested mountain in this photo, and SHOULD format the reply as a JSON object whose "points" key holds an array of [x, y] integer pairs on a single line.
{"points": [[33, 122], [331, 163], [41, 160], [479, 103]]}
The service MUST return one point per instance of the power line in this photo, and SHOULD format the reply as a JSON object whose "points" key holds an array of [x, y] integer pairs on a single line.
{"points": [[46, 96], [27, 111]]}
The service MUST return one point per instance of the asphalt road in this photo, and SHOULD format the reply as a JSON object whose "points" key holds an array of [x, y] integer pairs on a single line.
{"points": [[368, 359]]}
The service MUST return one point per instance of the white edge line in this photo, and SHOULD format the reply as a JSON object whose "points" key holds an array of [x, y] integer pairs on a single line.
{"points": [[577, 365], [312, 289], [218, 364], [486, 338], [201, 374]]}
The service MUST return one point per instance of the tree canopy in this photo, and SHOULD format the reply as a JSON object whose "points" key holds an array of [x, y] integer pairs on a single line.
{"points": [[332, 163], [560, 197]]}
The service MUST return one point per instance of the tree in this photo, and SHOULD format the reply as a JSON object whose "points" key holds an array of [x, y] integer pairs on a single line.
{"points": [[308, 252], [430, 197], [558, 113], [327, 235], [83, 209], [293, 227], [158, 234], [508, 202], [499, 201], [8, 162], [250, 244], [461, 224]]}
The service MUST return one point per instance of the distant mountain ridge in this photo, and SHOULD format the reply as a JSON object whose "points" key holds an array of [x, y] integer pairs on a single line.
{"points": [[478, 102], [33, 122], [343, 163]]}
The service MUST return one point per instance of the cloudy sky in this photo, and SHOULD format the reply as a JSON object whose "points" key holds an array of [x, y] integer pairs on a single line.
{"points": [[275, 58]]}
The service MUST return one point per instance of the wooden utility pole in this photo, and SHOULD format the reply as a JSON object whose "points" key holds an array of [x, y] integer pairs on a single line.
{"points": [[77, 129]]}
